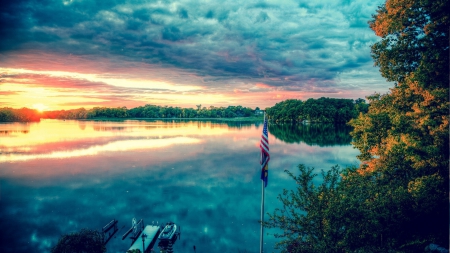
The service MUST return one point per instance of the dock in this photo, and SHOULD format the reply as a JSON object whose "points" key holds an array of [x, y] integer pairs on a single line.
{"points": [[146, 240]]}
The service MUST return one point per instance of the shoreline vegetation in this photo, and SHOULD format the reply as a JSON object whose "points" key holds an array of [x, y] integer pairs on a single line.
{"points": [[236, 119], [324, 110], [396, 200]]}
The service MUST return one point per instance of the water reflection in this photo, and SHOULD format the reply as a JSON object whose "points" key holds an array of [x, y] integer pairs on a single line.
{"points": [[8, 132], [59, 139], [124, 145], [313, 134], [62, 176], [14, 128]]}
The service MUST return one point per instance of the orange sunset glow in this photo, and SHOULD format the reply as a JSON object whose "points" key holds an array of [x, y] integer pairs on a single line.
{"points": [[70, 90], [183, 61]]}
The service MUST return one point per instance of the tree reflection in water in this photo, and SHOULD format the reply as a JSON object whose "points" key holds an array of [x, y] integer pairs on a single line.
{"points": [[312, 134]]}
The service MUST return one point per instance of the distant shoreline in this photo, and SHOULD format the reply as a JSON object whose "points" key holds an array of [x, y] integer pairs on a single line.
{"points": [[236, 119]]}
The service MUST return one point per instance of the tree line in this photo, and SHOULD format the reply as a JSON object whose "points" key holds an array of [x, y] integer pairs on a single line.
{"points": [[147, 111], [19, 115], [396, 200], [325, 110]]}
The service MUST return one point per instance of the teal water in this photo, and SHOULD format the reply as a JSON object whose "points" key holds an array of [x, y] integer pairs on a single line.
{"points": [[61, 176]]}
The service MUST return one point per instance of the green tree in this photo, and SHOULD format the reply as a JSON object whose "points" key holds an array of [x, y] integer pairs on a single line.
{"points": [[84, 241], [325, 110], [397, 199], [312, 215], [414, 39], [403, 138]]}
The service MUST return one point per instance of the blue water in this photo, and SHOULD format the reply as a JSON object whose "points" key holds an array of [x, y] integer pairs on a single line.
{"points": [[61, 176]]}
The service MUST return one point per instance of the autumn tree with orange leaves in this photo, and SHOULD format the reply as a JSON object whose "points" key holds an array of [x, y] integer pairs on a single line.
{"points": [[404, 138], [397, 199]]}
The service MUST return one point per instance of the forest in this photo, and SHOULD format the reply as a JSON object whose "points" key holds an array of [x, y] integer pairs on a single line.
{"points": [[152, 111], [323, 110], [147, 111]]}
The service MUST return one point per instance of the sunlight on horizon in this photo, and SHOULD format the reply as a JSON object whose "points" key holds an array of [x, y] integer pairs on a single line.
{"points": [[40, 107], [71, 90], [65, 90]]}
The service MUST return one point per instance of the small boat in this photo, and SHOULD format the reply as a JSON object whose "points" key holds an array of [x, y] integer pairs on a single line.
{"points": [[168, 232]]}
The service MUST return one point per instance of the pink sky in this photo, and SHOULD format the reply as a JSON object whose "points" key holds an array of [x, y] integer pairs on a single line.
{"points": [[51, 82], [73, 54]]}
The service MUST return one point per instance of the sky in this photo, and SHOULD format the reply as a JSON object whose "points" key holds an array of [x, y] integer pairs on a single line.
{"points": [[69, 54]]}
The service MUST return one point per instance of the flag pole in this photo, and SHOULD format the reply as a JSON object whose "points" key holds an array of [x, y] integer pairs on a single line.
{"points": [[261, 238], [261, 241]]}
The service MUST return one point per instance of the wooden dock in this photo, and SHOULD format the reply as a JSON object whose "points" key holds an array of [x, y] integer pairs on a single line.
{"points": [[146, 240]]}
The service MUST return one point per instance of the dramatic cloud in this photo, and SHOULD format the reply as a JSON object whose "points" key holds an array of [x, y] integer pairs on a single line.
{"points": [[304, 49]]}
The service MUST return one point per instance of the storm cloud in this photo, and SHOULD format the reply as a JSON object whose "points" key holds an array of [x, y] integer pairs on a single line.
{"points": [[301, 46]]}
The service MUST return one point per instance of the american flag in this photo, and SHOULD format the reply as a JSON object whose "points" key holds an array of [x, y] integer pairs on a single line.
{"points": [[265, 156]]}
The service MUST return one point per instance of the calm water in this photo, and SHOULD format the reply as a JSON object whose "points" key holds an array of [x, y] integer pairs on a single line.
{"points": [[60, 176]]}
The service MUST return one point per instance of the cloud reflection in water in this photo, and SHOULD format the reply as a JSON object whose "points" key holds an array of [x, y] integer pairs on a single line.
{"points": [[116, 146], [203, 176]]}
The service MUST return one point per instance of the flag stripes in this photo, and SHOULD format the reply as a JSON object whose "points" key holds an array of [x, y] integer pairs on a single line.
{"points": [[265, 156]]}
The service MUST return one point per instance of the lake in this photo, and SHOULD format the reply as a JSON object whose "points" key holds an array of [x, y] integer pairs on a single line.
{"points": [[61, 176]]}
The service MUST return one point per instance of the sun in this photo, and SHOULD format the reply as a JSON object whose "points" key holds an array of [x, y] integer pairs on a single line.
{"points": [[40, 107]]}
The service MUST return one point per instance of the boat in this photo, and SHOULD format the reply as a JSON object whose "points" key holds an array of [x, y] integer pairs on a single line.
{"points": [[168, 232]]}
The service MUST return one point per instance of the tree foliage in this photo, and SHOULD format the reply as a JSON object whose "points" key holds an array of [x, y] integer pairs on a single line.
{"points": [[147, 111], [19, 115], [84, 241], [310, 217], [414, 40], [397, 199], [404, 137], [327, 110], [153, 111]]}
